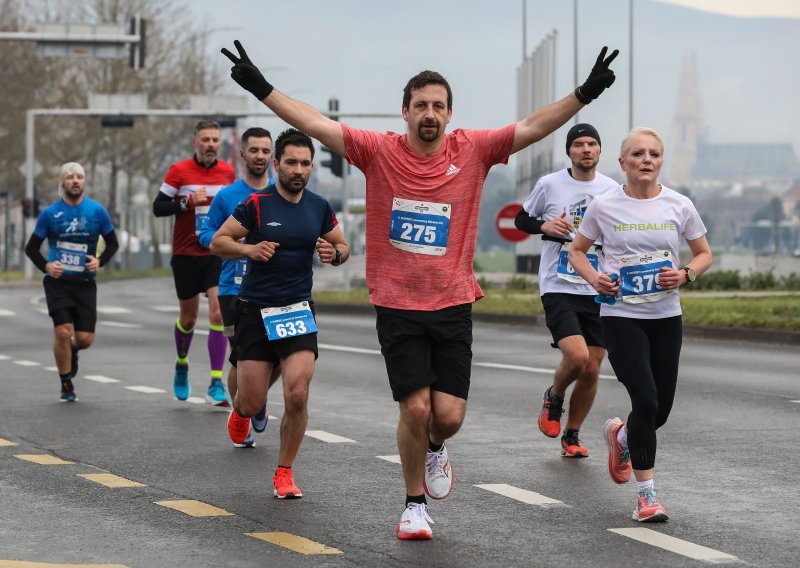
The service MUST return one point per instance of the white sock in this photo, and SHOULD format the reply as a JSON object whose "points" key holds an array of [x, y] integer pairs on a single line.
{"points": [[622, 437], [643, 486]]}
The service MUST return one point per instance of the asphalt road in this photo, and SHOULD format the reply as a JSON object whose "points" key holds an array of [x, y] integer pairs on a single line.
{"points": [[726, 467]]}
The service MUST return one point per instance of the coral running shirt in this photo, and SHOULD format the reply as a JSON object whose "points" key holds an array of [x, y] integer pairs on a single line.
{"points": [[422, 214], [183, 179]]}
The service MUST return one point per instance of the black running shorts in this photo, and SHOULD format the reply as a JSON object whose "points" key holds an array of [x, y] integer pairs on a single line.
{"points": [[250, 342], [72, 301], [194, 274], [573, 314], [227, 305], [426, 349]]}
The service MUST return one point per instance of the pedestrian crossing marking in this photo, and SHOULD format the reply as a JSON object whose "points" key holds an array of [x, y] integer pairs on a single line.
{"points": [[100, 379], [110, 480], [195, 508], [5, 443], [295, 543], [676, 545], [23, 564], [26, 363], [43, 459], [328, 437], [529, 497], [393, 459], [145, 390]]}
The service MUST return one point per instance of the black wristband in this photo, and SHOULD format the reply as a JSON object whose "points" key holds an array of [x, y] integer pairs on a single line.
{"points": [[268, 92]]}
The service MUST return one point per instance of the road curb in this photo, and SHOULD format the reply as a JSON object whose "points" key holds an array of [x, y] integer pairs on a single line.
{"points": [[769, 336]]}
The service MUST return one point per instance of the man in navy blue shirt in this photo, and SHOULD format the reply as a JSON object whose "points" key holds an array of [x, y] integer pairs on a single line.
{"points": [[256, 152], [72, 226], [282, 227]]}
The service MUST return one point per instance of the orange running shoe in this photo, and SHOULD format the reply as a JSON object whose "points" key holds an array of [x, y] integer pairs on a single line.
{"points": [[238, 427], [619, 463], [284, 484], [571, 447], [648, 509], [550, 415]]}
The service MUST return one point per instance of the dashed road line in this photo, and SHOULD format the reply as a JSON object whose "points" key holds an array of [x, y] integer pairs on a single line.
{"points": [[53, 369], [165, 308], [349, 349], [26, 363], [146, 389], [328, 437], [392, 459], [195, 508], [6, 443], [100, 379], [4, 357], [110, 480], [6, 313], [25, 564], [121, 324], [295, 543], [112, 310], [196, 400], [523, 495], [676, 545], [43, 459]]}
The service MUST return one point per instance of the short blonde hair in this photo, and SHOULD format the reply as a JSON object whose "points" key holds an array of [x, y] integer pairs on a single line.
{"points": [[626, 142]]}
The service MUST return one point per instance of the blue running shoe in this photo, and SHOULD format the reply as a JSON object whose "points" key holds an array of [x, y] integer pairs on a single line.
{"points": [[260, 420], [68, 392], [180, 384], [216, 395], [249, 441]]}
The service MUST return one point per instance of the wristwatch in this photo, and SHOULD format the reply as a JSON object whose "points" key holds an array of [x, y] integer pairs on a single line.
{"points": [[337, 257], [691, 275]]}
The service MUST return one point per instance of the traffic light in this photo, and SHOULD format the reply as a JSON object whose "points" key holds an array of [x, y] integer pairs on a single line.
{"points": [[335, 163]]}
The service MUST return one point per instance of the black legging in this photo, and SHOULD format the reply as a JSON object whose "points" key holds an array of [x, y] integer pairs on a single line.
{"points": [[644, 354]]}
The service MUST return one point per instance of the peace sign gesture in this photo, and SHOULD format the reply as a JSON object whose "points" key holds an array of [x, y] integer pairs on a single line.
{"points": [[246, 74], [600, 78]]}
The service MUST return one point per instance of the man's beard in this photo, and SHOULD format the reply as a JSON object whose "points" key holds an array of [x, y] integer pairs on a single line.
{"points": [[287, 183], [251, 169], [428, 132]]}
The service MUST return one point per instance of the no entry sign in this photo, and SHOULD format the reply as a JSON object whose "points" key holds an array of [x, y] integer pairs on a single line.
{"points": [[505, 223]]}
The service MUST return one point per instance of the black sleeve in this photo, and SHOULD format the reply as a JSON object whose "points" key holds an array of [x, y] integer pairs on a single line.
{"points": [[112, 246], [525, 222], [164, 205], [32, 251]]}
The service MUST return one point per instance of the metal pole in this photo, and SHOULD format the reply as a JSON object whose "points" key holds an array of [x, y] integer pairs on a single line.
{"points": [[630, 66], [575, 47], [524, 29], [29, 174]]}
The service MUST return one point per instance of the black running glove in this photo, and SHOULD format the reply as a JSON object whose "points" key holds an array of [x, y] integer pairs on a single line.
{"points": [[600, 78], [246, 74]]}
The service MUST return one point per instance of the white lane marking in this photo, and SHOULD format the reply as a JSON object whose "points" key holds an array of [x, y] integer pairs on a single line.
{"points": [[328, 437], [146, 390], [349, 349], [54, 369], [485, 365], [26, 363], [120, 324], [529, 497], [112, 310], [196, 400], [6, 313], [165, 308], [393, 459], [528, 369], [100, 379], [797, 401], [4, 357], [676, 545], [201, 332]]}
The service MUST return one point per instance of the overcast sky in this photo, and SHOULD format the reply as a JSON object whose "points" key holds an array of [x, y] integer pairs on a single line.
{"points": [[363, 52]]}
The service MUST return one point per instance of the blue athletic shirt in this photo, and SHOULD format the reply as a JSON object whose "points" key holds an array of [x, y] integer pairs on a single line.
{"points": [[76, 228], [286, 278], [225, 201]]}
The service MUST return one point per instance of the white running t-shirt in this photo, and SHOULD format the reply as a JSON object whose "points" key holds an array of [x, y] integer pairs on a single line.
{"points": [[552, 195], [638, 235]]}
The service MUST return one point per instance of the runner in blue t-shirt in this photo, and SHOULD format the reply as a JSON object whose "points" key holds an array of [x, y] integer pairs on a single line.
{"points": [[72, 227], [282, 226], [256, 151]]}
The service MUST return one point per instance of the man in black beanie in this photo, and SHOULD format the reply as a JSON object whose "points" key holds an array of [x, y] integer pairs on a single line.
{"points": [[555, 210]]}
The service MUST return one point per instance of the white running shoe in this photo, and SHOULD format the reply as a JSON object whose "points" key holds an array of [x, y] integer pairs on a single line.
{"points": [[414, 523], [438, 474]]}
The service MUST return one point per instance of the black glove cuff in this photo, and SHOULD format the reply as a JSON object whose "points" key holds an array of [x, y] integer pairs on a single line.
{"points": [[581, 97], [264, 91]]}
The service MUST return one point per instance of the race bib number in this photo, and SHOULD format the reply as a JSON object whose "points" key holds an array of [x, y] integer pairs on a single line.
{"points": [[420, 227], [288, 321], [239, 270], [72, 256], [639, 275], [200, 215], [565, 271]]}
